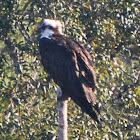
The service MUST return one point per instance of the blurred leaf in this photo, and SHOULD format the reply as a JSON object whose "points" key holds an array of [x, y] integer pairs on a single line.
{"points": [[28, 102]]}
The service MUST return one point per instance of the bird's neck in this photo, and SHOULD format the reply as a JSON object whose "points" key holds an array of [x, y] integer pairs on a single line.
{"points": [[47, 34]]}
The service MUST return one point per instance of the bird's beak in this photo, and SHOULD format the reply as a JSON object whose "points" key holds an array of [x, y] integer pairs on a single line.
{"points": [[39, 30]]}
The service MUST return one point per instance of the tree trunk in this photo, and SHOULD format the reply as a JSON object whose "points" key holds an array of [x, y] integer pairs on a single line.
{"points": [[62, 111]]}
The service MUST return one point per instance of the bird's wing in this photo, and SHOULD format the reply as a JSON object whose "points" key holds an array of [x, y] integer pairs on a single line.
{"points": [[86, 72], [71, 67]]}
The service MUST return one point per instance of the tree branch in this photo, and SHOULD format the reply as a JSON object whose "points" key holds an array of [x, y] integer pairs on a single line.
{"points": [[62, 111]]}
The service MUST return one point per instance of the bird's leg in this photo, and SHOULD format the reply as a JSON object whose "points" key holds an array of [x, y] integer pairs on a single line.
{"points": [[59, 94], [62, 111]]}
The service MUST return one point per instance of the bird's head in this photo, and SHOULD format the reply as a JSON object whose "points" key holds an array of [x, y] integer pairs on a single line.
{"points": [[48, 27]]}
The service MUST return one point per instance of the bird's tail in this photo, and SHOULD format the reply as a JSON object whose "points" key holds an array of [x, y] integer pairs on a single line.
{"points": [[86, 107]]}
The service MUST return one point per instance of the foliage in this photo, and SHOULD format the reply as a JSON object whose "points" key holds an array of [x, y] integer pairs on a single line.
{"points": [[109, 29]]}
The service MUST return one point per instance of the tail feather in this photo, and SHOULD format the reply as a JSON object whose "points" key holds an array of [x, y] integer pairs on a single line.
{"points": [[83, 96], [86, 107]]}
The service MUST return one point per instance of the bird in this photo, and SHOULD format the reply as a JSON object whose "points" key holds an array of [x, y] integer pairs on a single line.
{"points": [[70, 65]]}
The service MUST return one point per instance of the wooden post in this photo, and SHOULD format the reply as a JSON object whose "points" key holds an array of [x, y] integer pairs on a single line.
{"points": [[62, 114]]}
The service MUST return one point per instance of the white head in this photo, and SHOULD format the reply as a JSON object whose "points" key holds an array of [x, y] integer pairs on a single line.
{"points": [[49, 27]]}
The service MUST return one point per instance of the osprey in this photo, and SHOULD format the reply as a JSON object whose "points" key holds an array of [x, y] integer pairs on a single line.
{"points": [[69, 65]]}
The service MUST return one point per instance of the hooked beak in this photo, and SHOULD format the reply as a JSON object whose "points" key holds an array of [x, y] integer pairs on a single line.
{"points": [[39, 30]]}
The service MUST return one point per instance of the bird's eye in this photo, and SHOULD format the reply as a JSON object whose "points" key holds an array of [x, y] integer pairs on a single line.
{"points": [[47, 27], [50, 27]]}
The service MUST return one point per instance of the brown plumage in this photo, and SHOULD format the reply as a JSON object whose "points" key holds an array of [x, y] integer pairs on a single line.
{"points": [[70, 66]]}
